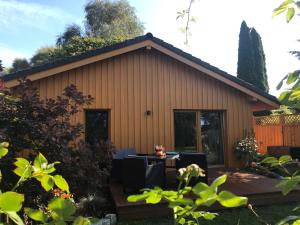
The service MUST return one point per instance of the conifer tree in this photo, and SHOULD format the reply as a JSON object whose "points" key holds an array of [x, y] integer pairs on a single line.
{"points": [[251, 58]]}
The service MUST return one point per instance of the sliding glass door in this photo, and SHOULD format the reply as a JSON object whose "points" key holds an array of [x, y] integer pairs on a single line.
{"points": [[200, 131], [211, 123]]}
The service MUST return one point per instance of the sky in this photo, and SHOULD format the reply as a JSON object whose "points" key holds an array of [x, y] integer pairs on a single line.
{"points": [[26, 25]]}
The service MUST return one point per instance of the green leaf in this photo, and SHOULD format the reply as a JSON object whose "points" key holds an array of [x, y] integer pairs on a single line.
{"points": [[287, 219], [297, 222], [284, 159], [219, 181], [288, 184], [23, 168], [272, 161], [284, 97], [282, 7], [279, 85], [35, 214], [182, 201], [40, 162], [61, 209], [292, 77], [11, 201], [208, 215], [3, 149], [61, 183], [47, 182], [14, 217], [199, 187], [81, 221], [153, 198], [137, 198], [290, 14], [228, 199]]}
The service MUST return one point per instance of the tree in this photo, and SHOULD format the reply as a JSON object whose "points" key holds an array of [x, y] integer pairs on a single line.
{"points": [[1, 67], [71, 31], [19, 64], [44, 55], [259, 60], [75, 46], [245, 55], [251, 58], [105, 18]]}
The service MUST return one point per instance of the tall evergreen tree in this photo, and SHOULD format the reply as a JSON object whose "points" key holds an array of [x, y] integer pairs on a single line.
{"points": [[259, 59], [251, 58], [1, 67]]}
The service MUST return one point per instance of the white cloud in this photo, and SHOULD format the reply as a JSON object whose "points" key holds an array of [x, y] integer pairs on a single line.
{"points": [[7, 55], [15, 14]]}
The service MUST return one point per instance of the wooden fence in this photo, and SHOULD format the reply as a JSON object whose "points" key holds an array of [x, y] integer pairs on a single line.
{"points": [[281, 130]]}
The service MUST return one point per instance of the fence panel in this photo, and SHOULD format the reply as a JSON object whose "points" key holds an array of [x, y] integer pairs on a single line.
{"points": [[282, 130]]}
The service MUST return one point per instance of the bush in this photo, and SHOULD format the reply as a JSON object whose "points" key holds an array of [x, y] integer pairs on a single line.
{"points": [[37, 125], [246, 149]]}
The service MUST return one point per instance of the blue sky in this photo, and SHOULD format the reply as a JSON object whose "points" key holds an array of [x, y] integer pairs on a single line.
{"points": [[26, 25]]}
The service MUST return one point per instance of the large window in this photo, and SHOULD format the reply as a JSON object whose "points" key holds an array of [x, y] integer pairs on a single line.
{"points": [[200, 131], [96, 125]]}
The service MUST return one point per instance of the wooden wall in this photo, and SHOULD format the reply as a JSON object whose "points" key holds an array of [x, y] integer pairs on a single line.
{"points": [[142, 80]]}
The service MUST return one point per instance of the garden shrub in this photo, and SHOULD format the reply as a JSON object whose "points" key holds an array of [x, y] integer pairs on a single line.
{"points": [[246, 149], [43, 125]]}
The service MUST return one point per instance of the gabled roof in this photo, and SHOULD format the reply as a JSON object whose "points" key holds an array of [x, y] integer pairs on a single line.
{"points": [[68, 63]]}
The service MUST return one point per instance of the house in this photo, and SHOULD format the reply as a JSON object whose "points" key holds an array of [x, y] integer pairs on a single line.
{"points": [[149, 92]]}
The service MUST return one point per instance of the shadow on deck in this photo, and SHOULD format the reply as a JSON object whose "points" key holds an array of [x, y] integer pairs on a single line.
{"points": [[259, 189]]}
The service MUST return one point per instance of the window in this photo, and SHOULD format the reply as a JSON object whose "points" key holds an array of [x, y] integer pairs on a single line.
{"points": [[185, 131], [200, 131], [96, 125]]}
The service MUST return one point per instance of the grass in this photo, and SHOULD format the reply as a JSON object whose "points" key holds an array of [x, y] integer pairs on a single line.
{"points": [[269, 214]]}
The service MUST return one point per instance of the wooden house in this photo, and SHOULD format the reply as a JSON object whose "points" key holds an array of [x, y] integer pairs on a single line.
{"points": [[149, 92]]}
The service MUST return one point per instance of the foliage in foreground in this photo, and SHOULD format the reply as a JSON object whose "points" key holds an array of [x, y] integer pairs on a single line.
{"points": [[289, 182], [58, 211], [185, 209], [237, 216]]}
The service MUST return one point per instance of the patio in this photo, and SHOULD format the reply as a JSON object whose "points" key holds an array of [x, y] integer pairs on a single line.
{"points": [[259, 189]]}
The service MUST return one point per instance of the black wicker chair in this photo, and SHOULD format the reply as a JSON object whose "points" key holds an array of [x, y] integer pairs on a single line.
{"points": [[117, 160], [187, 158], [138, 174], [295, 152]]}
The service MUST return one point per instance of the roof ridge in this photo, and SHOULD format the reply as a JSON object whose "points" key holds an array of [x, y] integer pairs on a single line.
{"points": [[125, 43]]}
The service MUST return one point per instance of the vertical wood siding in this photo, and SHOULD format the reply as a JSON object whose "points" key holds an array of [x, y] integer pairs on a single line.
{"points": [[132, 83]]}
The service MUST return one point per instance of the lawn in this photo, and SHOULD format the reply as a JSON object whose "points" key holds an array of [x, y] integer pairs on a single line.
{"points": [[270, 214]]}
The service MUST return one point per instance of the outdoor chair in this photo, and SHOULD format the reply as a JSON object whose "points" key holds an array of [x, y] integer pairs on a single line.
{"points": [[295, 152], [117, 158], [187, 158], [138, 174]]}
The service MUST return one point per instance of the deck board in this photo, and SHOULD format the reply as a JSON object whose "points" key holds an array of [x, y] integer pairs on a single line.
{"points": [[259, 189]]}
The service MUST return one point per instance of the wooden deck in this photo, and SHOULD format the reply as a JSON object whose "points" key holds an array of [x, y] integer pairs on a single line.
{"points": [[259, 189]]}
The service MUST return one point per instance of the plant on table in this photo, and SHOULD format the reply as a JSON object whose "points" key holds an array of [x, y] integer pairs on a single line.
{"points": [[60, 210], [186, 210]]}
